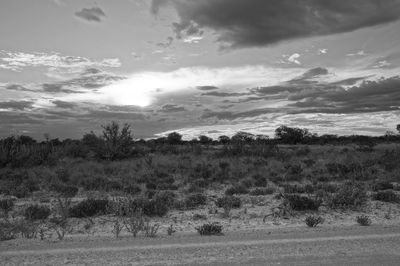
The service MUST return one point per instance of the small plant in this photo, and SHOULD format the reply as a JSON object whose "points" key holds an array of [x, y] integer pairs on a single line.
{"points": [[195, 200], [228, 203], [262, 191], [150, 230], [363, 220], [236, 189], [6, 205], [170, 230], [301, 203], [209, 229], [313, 221], [61, 226], [134, 223], [8, 231], [387, 196], [37, 212], [88, 208]]}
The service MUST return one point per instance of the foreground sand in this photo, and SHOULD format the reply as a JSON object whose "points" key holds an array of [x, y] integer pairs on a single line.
{"points": [[328, 245]]}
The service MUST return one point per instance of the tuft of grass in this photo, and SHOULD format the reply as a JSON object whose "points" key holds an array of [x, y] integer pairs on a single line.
{"points": [[363, 220], [209, 229], [313, 221]]}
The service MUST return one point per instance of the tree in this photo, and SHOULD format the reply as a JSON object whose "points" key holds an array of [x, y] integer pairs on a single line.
{"points": [[398, 128], [224, 139], [118, 141], [174, 138], [291, 135], [244, 137], [205, 140]]}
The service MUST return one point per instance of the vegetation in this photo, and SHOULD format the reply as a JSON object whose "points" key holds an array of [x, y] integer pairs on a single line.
{"points": [[363, 220], [130, 183]]}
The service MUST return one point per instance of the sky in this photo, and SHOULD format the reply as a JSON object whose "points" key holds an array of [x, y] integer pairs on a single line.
{"points": [[199, 67]]}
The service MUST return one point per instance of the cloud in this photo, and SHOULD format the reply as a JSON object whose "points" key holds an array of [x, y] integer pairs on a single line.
{"points": [[17, 61], [166, 44], [17, 87], [253, 23], [224, 94], [322, 51], [16, 105], [207, 88], [95, 14], [64, 105], [172, 108], [294, 59]]}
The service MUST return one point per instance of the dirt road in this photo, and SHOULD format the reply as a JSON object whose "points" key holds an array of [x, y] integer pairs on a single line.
{"points": [[354, 245]]}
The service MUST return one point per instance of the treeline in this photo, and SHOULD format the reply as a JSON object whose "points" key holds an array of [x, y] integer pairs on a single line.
{"points": [[117, 142]]}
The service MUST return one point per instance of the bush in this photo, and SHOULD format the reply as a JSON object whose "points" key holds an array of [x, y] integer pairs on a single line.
{"points": [[387, 196], [236, 189], [262, 191], [37, 212], [89, 207], [195, 200], [229, 201], [8, 231], [363, 220], [301, 203], [132, 189], [349, 196], [158, 206], [209, 229], [382, 185], [313, 221], [66, 191], [6, 206]]}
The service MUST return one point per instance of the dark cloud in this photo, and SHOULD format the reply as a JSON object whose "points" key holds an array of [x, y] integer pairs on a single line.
{"points": [[224, 94], [17, 87], [91, 79], [315, 72], [16, 105], [172, 108], [95, 14], [207, 88], [65, 105], [248, 23], [166, 44], [226, 115], [12, 118]]}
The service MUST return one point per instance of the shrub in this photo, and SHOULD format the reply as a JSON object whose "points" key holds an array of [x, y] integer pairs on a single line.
{"points": [[293, 188], [158, 206], [66, 191], [199, 216], [301, 203], [262, 191], [229, 201], [236, 189], [37, 212], [363, 220], [313, 221], [6, 206], [132, 189], [8, 231], [382, 185], [349, 195], [88, 208], [195, 200], [387, 196], [209, 229]]}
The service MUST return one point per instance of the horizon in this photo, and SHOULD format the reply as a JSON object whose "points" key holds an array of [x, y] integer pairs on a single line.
{"points": [[67, 67]]}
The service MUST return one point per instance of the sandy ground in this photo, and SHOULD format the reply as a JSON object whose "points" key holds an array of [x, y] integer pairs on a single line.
{"points": [[346, 245]]}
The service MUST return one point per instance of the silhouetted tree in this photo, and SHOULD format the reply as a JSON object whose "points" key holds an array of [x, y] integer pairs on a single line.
{"points": [[291, 135], [398, 128], [118, 141], [174, 138], [224, 139], [205, 140]]}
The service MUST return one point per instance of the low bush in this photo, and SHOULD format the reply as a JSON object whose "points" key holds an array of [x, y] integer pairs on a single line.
{"points": [[382, 185], [63, 190], [363, 220], [8, 231], [349, 196], [199, 216], [37, 212], [262, 191], [301, 203], [229, 201], [313, 221], [195, 200], [209, 229], [6, 205], [236, 189], [132, 189], [88, 208], [387, 196]]}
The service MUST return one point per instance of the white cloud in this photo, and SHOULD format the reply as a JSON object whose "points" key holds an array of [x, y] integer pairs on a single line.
{"points": [[294, 59], [140, 89], [17, 61], [192, 39], [322, 51], [358, 53]]}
